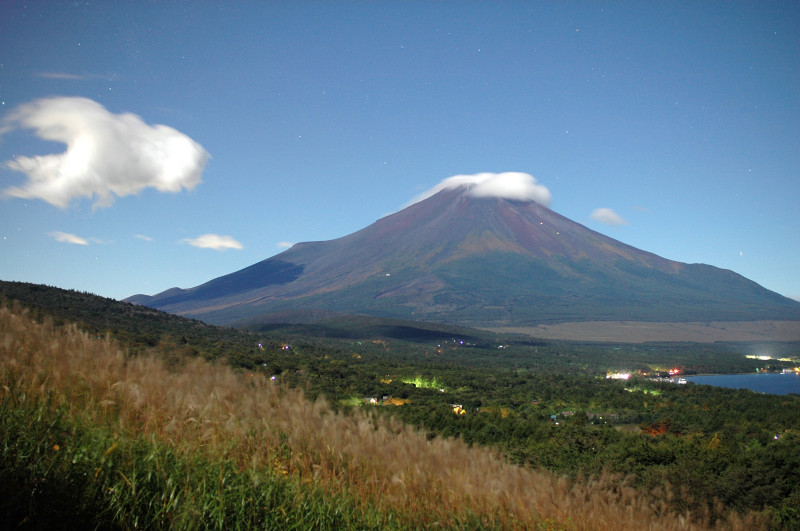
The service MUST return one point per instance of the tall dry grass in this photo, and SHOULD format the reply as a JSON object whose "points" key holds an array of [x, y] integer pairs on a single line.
{"points": [[258, 425]]}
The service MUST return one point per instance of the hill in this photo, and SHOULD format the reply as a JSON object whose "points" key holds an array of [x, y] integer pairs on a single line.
{"points": [[147, 326], [488, 262], [93, 439], [542, 404]]}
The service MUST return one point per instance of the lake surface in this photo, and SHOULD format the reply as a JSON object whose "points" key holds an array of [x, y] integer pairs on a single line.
{"points": [[773, 383]]}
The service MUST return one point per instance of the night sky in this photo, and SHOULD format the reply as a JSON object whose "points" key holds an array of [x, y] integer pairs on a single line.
{"points": [[151, 145]]}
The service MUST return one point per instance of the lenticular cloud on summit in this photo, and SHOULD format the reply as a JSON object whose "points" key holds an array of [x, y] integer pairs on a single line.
{"points": [[507, 185], [107, 154]]}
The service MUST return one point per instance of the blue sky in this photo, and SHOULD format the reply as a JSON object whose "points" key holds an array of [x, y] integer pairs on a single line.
{"points": [[284, 122]]}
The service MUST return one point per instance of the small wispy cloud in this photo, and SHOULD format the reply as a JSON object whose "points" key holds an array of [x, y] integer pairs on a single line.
{"points": [[508, 185], [108, 155], [68, 76], [66, 237], [285, 245], [143, 237], [215, 242], [607, 216]]}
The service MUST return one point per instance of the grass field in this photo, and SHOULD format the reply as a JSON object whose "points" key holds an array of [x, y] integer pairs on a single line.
{"points": [[94, 438]]}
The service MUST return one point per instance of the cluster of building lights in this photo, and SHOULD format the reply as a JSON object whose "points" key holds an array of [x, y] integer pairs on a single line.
{"points": [[627, 375], [763, 357]]}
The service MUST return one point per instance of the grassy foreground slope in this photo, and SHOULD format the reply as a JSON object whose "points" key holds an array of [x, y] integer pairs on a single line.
{"points": [[94, 437]]}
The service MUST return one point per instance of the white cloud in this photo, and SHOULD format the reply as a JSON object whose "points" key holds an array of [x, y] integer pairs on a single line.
{"points": [[143, 237], [214, 241], [508, 185], [107, 154], [67, 76], [285, 245], [66, 237], [608, 217]]}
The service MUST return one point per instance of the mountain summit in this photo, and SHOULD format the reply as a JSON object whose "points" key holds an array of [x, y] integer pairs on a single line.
{"points": [[466, 258]]}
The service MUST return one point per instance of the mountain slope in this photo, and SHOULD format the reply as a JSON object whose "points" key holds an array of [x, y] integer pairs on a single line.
{"points": [[478, 261]]}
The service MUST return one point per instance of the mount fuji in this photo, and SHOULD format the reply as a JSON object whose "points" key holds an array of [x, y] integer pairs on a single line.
{"points": [[482, 260]]}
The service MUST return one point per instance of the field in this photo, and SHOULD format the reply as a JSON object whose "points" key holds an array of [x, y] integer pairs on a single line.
{"points": [[644, 332], [131, 443], [160, 422]]}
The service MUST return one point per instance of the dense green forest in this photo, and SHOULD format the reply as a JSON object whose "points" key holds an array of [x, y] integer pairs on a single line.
{"points": [[540, 403]]}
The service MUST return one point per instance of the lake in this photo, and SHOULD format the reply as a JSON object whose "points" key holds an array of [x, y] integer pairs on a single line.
{"points": [[773, 383]]}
